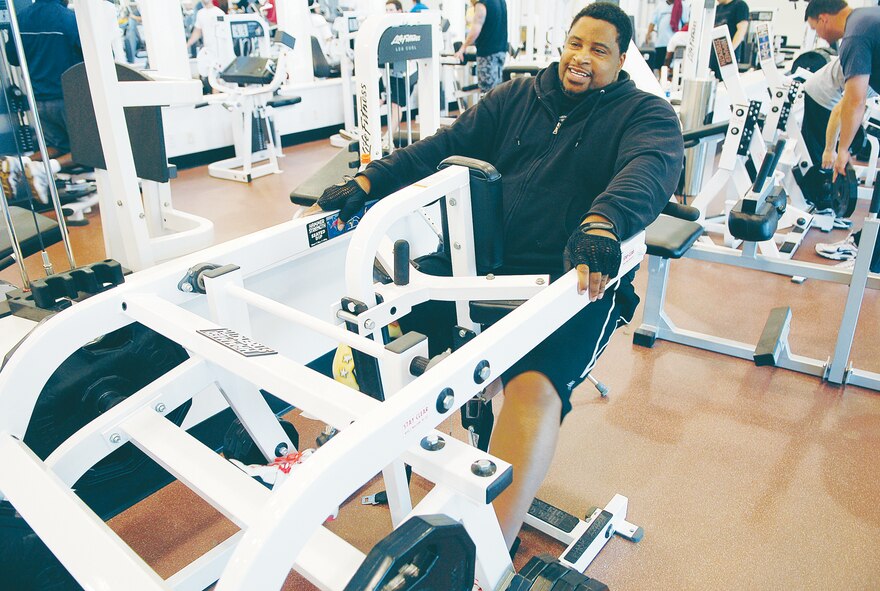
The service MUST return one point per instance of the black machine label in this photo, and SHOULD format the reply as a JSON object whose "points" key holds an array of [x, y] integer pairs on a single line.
{"points": [[237, 342], [331, 226], [407, 42], [594, 530]]}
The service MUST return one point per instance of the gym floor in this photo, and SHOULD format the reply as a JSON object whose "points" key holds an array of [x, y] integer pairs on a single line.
{"points": [[742, 477]]}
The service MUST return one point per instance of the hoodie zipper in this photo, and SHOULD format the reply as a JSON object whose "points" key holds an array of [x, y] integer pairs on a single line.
{"points": [[559, 121], [559, 124]]}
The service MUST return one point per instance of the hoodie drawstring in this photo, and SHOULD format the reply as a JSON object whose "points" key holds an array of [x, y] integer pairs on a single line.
{"points": [[587, 119], [522, 122]]}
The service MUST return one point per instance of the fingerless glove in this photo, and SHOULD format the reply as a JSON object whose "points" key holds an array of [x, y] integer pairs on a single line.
{"points": [[600, 253], [348, 197]]}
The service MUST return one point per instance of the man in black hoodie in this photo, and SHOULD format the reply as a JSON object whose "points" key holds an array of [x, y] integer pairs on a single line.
{"points": [[587, 160]]}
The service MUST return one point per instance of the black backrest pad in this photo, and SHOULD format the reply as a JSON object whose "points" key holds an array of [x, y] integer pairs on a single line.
{"points": [[486, 205], [144, 126]]}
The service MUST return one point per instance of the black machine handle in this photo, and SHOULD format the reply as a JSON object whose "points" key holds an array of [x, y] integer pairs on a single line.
{"points": [[692, 137], [768, 167], [682, 212]]}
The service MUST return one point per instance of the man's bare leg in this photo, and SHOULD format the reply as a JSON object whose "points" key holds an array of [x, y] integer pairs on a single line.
{"points": [[525, 435]]}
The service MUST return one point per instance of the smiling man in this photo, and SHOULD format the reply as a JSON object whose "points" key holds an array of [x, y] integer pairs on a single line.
{"points": [[587, 160]]}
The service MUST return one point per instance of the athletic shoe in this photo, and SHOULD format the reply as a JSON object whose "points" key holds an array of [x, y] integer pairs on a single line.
{"points": [[35, 173], [838, 251], [10, 173]]}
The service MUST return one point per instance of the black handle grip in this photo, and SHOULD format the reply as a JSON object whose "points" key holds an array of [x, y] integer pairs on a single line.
{"points": [[682, 212], [401, 262]]}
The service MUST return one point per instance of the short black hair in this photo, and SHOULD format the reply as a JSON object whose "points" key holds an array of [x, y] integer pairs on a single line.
{"points": [[817, 7], [605, 11]]}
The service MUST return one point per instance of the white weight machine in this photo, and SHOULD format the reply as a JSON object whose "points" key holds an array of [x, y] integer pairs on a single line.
{"points": [[381, 41], [731, 179], [248, 83], [139, 230], [248, 325]]}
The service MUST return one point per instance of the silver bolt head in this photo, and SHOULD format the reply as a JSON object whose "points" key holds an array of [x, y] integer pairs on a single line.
{"points": [[186, 287], [456, 245], [539, 281], [453, 202], [142, 215], [369, 324], [115, 438], [448, 401], [483, 468], [485, 372], [119, 203], [282, 450], [490, 276], [160, 407]]}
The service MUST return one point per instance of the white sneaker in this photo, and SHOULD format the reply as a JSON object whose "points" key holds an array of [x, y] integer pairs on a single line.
{"points": [[10, 176], [838, 251], [35, 171]]}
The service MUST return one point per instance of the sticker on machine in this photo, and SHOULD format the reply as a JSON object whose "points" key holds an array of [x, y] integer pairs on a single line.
{"points": [[412, 422], [331, 226]]}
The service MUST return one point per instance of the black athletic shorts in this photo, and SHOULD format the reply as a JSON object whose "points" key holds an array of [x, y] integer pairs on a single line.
{"points": [[565, 357]]}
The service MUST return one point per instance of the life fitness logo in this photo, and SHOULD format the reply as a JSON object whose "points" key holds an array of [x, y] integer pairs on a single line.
{"points": [[366, 140], [405, 38]]}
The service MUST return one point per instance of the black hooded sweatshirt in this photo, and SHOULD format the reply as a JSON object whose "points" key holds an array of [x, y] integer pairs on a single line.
{"points": [[615, 151]]}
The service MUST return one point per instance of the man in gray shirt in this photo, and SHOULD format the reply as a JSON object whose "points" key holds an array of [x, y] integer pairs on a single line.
{"points": [[822, 103], [859, 34]]}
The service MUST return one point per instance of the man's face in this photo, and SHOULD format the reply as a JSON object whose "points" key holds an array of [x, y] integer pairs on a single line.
{"points": [[821, 25], [591, 58], [391, 8]]}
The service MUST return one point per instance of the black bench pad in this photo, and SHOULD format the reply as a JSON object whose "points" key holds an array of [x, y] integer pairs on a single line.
{"points": [[23, 222], [329, 174], [489, 312], [670, 237]]}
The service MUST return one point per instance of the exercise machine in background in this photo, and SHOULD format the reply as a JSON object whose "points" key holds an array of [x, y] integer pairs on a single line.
{"points": [[253, 74]]}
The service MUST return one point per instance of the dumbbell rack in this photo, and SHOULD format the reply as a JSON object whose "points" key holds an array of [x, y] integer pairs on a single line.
{"points": [[254, 327]]}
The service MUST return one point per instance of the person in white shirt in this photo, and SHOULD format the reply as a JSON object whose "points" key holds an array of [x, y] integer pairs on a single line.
{"points": [[669, 18], [206, 30]]}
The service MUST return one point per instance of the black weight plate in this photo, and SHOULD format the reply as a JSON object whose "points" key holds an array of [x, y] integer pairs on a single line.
{"points": [[92, 380], [570, 581], [519, 583], [535, 565], [549, 576], [592, 585], [845, 193], [426, 553], [28, 565]]}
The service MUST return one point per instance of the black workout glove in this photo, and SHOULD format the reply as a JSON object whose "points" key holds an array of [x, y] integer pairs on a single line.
{"points": [[600, 253], [348, 197]]}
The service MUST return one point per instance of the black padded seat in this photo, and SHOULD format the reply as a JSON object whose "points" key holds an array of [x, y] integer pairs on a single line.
{"points": [[489, 312], [329, 174], [23, 222], [670, 237]]}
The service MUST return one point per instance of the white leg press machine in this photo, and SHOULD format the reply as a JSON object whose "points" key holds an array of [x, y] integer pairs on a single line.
{"points": [[268, 304]]}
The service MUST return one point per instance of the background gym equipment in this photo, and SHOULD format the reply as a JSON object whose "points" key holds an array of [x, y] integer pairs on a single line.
{"points": [[249, 81], [669, 239]]}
